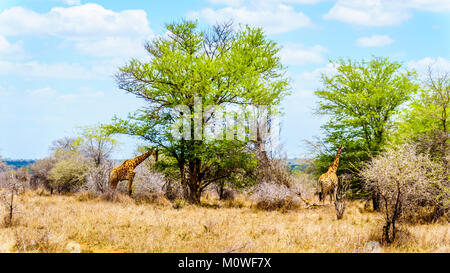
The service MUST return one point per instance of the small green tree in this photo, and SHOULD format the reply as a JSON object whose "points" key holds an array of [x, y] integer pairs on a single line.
{"points": [[220, 67], [96, 144], [69, 172], [361, 100]]}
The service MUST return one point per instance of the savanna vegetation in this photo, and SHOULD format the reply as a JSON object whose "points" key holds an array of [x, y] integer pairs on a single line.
{"points": [[217, 195]]}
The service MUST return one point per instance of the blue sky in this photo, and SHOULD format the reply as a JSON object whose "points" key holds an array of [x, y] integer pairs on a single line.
{"points": [[57, 57]]}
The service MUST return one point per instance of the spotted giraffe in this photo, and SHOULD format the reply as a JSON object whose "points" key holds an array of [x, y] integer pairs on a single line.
{"points": [[126, 170], [328, 181]]}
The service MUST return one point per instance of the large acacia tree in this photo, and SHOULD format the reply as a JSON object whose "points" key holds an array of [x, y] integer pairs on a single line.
{"points": [[361, 100], [221, 67]]}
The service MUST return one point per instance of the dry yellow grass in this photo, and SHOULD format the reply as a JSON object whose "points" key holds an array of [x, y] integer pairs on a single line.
{"points": [[74, 223]]}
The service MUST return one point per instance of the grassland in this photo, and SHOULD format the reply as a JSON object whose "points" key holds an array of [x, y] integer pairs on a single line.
{"points": [[80, 223]]}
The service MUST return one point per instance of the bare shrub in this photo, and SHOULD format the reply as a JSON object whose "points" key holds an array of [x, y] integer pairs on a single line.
{"points": [[148, 184], [23, 177], [8, 198], [86, 196], [228, 194], [40, 174], [97, 178], [274, 170], [174, 190], [116, 197], [3, 174], [271, 196], [40, 240], [341, 196], [304, 184], [404, 181]]}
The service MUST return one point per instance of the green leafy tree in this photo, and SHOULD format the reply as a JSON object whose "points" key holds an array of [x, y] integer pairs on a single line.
{"points": [[96, 143], [426, 120], [222, 67], [361, 99]]}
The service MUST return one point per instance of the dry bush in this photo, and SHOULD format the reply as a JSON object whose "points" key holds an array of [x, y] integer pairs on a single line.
{"points": [[8, 197], [405, 181], [271, 196], [308, 182], [173, 190], [40, 174], [86, 196], [116, 197], [97, 178], [304, 184], [3, 174], [221, 192], [228, 194], [341, 196], [148, 184], [274, 170], [39, 240], [23, 177]]}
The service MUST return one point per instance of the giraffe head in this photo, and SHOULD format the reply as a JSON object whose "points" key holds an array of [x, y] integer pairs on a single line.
{"points": [[341, 148]]}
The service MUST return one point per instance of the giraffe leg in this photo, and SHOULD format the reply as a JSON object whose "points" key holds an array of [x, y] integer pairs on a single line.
{"points": [[130, 182], [113, 180]]}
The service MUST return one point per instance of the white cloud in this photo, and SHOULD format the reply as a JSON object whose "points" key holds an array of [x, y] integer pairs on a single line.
{"points": [[48, 93], [10, 50], [78, 22], [71, 2], [226, 2], [312, 79], [298, 54], [35, 69], [429, 5], [374, 41], [302, 1], [112, 46], [42, 92], [382, 12], [274, 18], [94, 30], [236, 3], [438, 65]]}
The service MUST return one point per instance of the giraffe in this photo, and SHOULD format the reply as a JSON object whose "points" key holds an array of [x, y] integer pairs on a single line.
{"points": [[126, 170], [328, 181]]}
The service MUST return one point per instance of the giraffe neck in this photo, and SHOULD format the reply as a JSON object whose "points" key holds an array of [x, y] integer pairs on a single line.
{"points": [[334, 166], [138, 160]]}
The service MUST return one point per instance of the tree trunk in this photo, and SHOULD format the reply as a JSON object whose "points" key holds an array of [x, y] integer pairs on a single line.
{"points": [[195, 183], [375, 202], [195, 194], [386, 232], [11, 207]]}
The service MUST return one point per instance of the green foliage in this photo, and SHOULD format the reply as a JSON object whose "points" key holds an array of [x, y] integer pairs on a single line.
{"points": [[96, 143], [361, 100], [222, 67], [426, 120], [69, 172]]}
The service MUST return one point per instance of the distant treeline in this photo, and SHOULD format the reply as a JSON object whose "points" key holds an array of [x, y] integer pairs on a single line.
{"points": [[18, 163]]}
